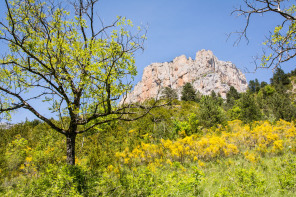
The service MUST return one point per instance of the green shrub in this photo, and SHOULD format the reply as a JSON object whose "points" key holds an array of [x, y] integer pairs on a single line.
{"points": [[287, 175]]}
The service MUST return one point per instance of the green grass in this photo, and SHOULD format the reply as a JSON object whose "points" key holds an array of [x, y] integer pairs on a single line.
{"points": [[272, 176]]}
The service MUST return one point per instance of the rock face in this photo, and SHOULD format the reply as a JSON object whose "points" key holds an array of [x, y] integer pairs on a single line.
{"points": [[4, 125], [205, 73]]}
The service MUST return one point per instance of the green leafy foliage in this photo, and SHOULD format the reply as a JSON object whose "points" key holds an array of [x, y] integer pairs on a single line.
{"points": [[77, 69], [189, 127], [280, 42], [185, 149], [287, 174], [277, 104], [34, 164], [235, 113], [244, 182]]}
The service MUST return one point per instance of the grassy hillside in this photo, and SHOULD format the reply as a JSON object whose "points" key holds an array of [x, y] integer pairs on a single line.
{"points": [[242, 146], [169, 152]]}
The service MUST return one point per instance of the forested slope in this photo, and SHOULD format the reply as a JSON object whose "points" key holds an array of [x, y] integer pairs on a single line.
{"points": [[242, 146]]}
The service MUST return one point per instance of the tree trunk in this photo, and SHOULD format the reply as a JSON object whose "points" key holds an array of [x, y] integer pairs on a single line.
{"points": [[71, 148]]}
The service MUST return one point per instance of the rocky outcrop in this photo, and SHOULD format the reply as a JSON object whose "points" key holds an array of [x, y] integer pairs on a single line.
{"points": [[205, 73], [4, 125]]}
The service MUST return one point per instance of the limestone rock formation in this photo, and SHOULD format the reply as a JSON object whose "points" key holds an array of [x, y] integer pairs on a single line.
{"points": [[206, 73]]}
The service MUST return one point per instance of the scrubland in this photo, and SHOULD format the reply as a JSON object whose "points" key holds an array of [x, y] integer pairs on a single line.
{"points": [[167, 153]]}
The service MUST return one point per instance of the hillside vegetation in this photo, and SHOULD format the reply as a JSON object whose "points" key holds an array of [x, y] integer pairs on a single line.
{"points": [[242, 146]]}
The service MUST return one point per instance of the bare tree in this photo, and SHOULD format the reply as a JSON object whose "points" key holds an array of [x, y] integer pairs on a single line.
{"points": [[281, 43]]}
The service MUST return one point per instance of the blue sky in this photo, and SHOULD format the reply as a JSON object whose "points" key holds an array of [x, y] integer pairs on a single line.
{"points": [[184, 27]]}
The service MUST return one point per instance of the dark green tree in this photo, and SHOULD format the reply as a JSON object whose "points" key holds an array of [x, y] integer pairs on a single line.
{"points": [[217, 98], [282, 107], [198, 96], [213, 94], [263, 84], [292, 73], [210, 113], [264, 99], [169, 94], [254, 85], [257, 85], [276, 104], [231, 96], [249, 108], [280, 80], [188, 93]]}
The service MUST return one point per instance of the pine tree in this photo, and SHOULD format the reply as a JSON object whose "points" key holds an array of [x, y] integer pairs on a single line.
{"points": [[188, 93], [254, 85], [263, 84], [169, 94], [280, 80], [232, 94], [282, 107], [210, 113], [213, 94], [249, 108]]}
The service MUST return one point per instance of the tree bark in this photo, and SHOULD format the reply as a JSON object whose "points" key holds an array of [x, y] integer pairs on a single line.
{"points": [[71, 148]]}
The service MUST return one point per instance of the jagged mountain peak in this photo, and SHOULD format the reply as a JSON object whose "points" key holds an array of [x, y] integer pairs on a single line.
{"points": [[206, 73]]}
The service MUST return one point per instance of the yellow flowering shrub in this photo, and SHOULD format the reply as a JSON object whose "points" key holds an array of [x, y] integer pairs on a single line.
{"points": [[251, 157], [262, 137]]}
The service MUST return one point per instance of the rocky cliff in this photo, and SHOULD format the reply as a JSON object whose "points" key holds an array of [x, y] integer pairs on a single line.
{"points": [[205, 73]]}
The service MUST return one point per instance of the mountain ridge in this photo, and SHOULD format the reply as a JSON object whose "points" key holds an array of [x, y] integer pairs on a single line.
{"points": [[206, 73]]}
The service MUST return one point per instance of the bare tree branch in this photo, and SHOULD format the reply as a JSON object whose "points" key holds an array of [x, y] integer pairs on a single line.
{"points": [[280, 45]]}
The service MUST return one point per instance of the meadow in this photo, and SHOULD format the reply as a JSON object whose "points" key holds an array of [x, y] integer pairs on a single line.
{"points": [[166, 153]]}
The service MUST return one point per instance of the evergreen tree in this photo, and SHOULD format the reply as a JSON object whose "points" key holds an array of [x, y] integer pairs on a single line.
{"points": [[254, 85], [217, 98], [231, 96], [213, 94], [292, 73], [264, 99], [198, 96], [257, 85], [263, 84], [169, 94], [188, 93], [249, 108], [280, 80], [210, 113], [282, 107]]}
